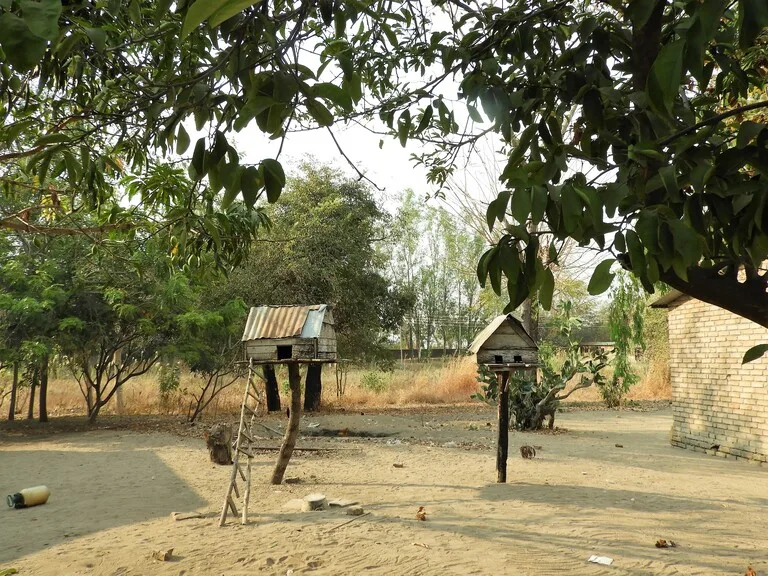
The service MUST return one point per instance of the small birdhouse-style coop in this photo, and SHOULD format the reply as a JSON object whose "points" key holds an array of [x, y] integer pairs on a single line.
{"points": [[505, 344], [275, 334], [504, 347]]}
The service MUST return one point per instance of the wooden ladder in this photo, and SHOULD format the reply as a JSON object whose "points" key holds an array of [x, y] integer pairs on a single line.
{"points": [[244, 445]]}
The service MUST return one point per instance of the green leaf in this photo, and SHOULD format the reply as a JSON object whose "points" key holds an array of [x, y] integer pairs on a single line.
{"points": [[474, 114], [521, 204], [198, 158], [748, 131], [55, 138], [593, 108], [426, 117], [665, 76], [23, 50], [668, 176], [482, 265], [754, 353], [42, 17], [229, 9], [182, 140], [639, 11], [404, 127], [229, 195], [601, 277], [98, 37], [197, 13], [547, 289], [274, 178], [251, 183], [753, 19], [497, 208], [636, 254], [320, 113]]}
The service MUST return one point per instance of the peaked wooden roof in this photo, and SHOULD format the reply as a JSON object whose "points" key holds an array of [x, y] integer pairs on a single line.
{"points": [[494, 325]]}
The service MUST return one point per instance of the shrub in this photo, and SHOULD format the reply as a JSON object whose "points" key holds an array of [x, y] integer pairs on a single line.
{"points": [[373, 381]]}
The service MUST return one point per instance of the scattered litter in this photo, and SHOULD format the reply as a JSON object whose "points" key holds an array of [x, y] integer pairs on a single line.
{"points": [[528, 452], [178, 516], [163, 555], [394, 442], [450, 445], [421, 544], [666, 544], [421, 514], [313, 425], [619, 445], [398, 465], [750, 572], [600, 560]]}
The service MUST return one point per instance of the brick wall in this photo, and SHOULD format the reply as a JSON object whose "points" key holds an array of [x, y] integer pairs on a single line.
{"points": [[716, 400]]}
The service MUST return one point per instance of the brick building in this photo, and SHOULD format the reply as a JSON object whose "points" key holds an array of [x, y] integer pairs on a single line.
{"points": [[719, 405]]}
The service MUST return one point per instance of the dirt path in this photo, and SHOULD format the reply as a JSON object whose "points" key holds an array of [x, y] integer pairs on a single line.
{"points": [[113, 492]]}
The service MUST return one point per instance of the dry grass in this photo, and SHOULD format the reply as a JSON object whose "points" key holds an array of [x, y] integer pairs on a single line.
{"points": [[439, 382]]}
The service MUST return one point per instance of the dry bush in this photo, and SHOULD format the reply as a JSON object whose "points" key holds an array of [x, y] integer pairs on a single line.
{"points": [[451, 381]]}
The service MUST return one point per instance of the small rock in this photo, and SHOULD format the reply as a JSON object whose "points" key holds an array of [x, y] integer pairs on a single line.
{"points": [[163, 555], [354, 511], [292, 481]]}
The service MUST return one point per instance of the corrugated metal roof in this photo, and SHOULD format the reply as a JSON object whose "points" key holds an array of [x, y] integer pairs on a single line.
{"points": [[284, 322], [494, 324]]}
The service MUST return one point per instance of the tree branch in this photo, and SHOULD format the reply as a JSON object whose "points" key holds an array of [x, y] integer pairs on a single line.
{"points": [[714, 120]]}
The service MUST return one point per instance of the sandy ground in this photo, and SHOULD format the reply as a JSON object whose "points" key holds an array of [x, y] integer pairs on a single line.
{"points": [[113, 492]]}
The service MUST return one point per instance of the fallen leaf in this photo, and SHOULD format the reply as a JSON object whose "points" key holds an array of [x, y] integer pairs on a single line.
{"points": [[619, 445], [396, 465], [421, 514], [750, 572]]}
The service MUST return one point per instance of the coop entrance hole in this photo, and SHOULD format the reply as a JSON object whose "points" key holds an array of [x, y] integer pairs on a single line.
{"points": [[284, 352]]}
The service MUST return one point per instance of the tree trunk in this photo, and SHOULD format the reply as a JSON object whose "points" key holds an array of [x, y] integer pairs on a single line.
{"points": [[502, 448], [292, 431], [32, 388], [14, 390], [44, 390], [531, 318], [313, 389], [273, 392]]}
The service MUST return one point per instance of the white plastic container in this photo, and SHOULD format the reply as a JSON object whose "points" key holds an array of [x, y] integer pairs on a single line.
{"points": [[29, 497]]}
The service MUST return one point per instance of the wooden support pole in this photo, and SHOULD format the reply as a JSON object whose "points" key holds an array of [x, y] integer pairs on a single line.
{"points": [[292, 431], [503, 426]]}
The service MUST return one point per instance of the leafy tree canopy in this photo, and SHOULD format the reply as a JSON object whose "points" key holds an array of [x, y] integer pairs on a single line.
{"points": [[664, 168]]}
